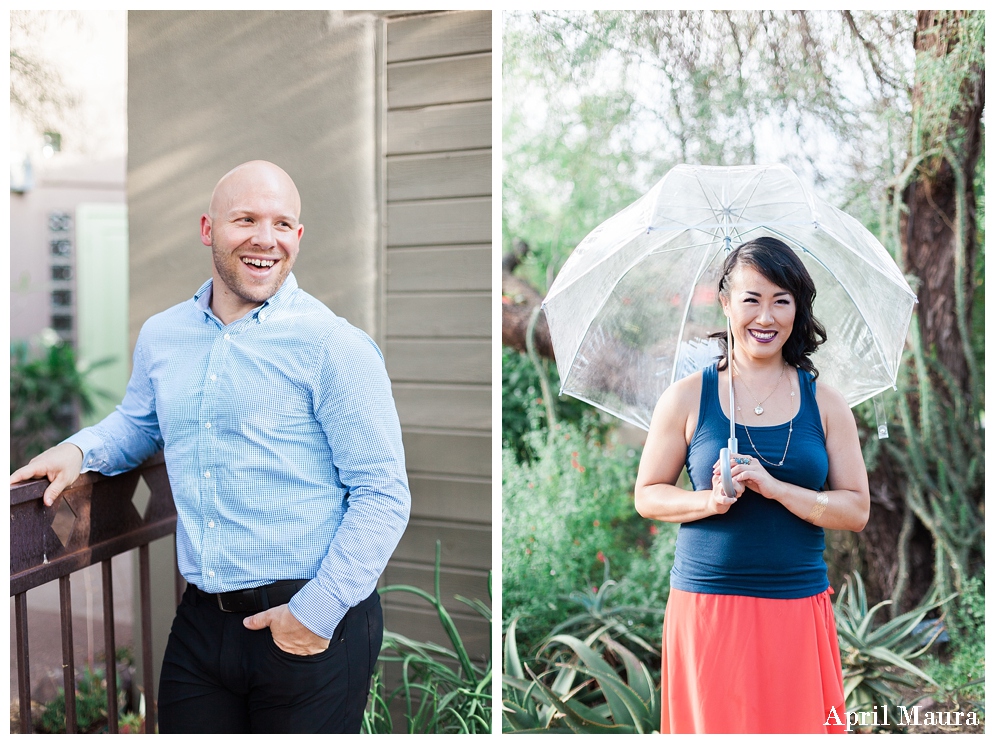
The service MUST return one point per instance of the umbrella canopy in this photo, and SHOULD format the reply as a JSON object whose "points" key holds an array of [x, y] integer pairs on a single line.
{"points": [[632, 308]]}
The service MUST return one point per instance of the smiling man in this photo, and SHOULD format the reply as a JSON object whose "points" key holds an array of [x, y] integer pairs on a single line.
{"points": [[284, 456]]}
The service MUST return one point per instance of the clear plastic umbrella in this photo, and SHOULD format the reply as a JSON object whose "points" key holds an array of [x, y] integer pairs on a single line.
{"points": [[632, 309]]}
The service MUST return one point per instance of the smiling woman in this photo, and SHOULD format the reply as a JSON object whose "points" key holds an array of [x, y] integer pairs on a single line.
{"points": [[749, 581]]}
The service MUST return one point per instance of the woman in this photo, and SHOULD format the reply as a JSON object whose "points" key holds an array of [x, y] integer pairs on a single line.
{"points": [[749, 637]]}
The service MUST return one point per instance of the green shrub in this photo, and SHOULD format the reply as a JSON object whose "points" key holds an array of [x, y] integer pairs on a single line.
{"points": [[523, 410], [565, 514], [960, 670], [48, 388]]}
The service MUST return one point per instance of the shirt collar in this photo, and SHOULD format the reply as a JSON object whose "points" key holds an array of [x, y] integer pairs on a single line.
{"points": [[202, 298]]}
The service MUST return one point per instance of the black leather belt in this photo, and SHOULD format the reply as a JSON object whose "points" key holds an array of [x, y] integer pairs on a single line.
{"points": [[257, 599]]}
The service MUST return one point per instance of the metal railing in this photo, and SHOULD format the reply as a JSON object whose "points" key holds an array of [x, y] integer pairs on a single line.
{"points": [[93, 521]]}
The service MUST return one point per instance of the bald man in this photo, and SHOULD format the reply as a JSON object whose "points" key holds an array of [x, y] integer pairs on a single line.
{"points": [[284, 455]]}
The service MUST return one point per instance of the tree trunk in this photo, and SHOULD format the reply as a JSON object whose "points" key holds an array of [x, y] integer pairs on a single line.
{"points": [[519, 300], [929, 248], [928, 228]]}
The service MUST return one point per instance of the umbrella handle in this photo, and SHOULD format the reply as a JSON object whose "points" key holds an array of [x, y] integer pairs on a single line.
{"points": [[725, 466]]}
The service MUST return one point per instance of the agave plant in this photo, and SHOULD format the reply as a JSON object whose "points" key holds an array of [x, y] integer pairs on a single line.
{"points": [[623, 622], [601, 702], [443, 690], [874, 658]]}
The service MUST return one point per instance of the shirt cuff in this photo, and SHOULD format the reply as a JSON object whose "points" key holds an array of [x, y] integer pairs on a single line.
{"points": [[92, 446], [317, 611]]}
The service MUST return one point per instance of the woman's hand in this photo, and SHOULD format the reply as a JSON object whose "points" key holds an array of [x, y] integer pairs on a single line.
{"points": [[748, 472], [718, 502]]}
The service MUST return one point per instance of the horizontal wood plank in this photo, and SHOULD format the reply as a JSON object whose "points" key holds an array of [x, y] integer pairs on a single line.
{"points": [[463, 545], [443, 407], [444, 315], [440, 452], [446, 221], [438, 361], [439, 175], [455, 126], [460, 32], [452, 268], [450, 499], [435, 81]]}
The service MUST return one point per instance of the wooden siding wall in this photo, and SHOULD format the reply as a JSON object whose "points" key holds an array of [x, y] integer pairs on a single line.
{"points": [[436, 304]]}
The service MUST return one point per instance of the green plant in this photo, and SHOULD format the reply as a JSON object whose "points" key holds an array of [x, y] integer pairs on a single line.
{"points": [[874, 657], [622, 622], [523, 409], [565, 514], [604, 700], [443, 690], [960, 671], [91, 705], [48, 387]]}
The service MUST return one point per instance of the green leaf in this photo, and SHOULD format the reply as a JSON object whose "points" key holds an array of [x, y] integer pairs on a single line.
{"points": [[512, 663]]}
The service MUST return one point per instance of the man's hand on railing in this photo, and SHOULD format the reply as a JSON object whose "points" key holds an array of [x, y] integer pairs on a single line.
{"points": [[61, 465]]}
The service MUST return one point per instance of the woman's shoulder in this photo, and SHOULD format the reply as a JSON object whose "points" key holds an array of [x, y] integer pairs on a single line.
{"points": [[677, 408], [827, 395], [687, 390]]}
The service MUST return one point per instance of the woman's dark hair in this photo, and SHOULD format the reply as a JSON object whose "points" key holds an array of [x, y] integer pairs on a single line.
{"points": [[779, 265]]}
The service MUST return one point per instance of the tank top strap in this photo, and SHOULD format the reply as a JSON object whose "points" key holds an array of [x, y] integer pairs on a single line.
{"points": [[809, 407], [709, 405]]}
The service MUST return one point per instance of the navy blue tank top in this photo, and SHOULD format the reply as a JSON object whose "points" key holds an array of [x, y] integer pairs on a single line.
{"points": [[757, 548]]}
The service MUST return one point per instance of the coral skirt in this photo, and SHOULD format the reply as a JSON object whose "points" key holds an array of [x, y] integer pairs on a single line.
{"points": [[735, 664]]}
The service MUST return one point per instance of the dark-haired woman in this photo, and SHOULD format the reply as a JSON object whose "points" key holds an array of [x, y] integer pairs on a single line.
{"points": [[749, 637]]}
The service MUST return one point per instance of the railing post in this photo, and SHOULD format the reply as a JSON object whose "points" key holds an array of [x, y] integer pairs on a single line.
{"points": [[23, 660], [145, 582], [110, 647], [68, 666], [107, 524]]}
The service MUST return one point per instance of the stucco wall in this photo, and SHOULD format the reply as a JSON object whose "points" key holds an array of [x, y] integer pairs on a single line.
{"points": [[209, 90]]}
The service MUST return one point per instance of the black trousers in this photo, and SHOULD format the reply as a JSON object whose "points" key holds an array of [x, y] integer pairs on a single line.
{"points": [[220, 677]]}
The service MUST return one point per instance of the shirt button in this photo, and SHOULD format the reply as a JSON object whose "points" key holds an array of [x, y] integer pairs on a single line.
{"points": [[211, 524], [214, 377], [207, 425], [262, 316], [207, 473], [227, 336], [211, 574]]}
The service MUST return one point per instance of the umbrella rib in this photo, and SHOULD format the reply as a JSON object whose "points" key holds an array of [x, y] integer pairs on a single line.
{"points": [[860, 312]]}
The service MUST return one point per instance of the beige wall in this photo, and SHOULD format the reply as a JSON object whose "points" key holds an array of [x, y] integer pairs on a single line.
{"points": [[210, 90]]}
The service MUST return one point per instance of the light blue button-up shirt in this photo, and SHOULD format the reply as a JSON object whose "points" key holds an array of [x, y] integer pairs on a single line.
{"points": [[282, 445]]}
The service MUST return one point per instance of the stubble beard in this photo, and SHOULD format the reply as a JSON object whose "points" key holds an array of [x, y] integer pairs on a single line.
{"points": [[228, 272]]}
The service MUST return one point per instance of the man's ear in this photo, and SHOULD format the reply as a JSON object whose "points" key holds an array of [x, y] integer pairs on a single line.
{"points": [[205, 230]]}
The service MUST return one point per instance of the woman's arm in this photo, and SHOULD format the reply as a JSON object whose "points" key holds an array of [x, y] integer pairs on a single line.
{"points": [[846, 505], [663, 459]]}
